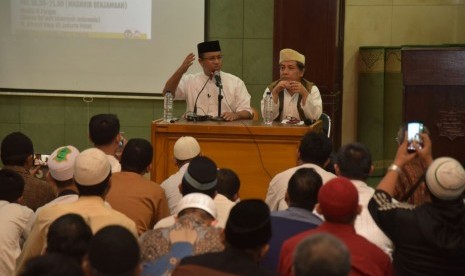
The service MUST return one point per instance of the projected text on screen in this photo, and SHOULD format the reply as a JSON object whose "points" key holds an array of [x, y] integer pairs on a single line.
{"points": [[102, 18]]}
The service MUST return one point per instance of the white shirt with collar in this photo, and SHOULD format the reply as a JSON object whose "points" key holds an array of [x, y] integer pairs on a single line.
{"points": [[278, 185], [13, 222], [115, 164], [235, 95], [312, 108], [171, 187], [364, 224]]}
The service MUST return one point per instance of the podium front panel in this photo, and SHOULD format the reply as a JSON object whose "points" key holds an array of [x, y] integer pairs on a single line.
{"points": [[254, 151]]}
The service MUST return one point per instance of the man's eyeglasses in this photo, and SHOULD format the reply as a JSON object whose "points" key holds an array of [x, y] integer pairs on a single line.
{"points": [[220, 57]]}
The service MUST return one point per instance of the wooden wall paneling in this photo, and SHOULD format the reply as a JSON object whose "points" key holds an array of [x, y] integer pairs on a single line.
{"points": [[434, 93], [315, 28]]}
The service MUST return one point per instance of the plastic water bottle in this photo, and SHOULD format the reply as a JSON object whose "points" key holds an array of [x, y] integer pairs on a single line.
{"points": [[268, 109], [168, 107]]}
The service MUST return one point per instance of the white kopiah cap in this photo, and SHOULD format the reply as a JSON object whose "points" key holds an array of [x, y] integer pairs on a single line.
{"points": [[445, 178], [91, 167], [61, 162], [186, 147], [199, 201]]}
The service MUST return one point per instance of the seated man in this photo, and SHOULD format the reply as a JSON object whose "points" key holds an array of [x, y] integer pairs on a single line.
{"points": [[192, 234], [338, 203], [228, 184], [201, 90], [92, 175], [104, 132], [246, 237], [69, 235], [60, 175], [321, 255], [353, 161], [314, 151], [139, 198], [17, 154], [201, 177], [293, 96], [185, 149], [113, 251], [13, 219], [428, 239], [301, 196], [227, 192]]}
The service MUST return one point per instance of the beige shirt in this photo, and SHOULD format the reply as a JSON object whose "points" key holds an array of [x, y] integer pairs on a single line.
{"points": [[91, 208]]}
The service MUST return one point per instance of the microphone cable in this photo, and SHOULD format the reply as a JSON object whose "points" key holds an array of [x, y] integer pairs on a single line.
{"points": [[198, 95], [257, 146]]}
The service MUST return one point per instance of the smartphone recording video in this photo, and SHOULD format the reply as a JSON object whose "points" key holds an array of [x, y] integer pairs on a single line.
{"points": [[413, 135], [41, 159]]}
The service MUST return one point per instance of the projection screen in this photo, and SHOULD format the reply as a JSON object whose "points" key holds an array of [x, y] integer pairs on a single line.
{"points": [[103, 46]]}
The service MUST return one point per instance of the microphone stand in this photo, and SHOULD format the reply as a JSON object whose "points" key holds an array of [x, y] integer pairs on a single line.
{"points": [[193, 116], [220, 98]]}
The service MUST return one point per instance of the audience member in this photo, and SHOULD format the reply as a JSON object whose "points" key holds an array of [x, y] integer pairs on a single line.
{"points": [[60, 175], [17, 154], [51, 265], [293, 96], [92, 173], [321, 255], [228, 184], [428, 239], [192, 234], [200, 90], [411, 186], [314, 151], [104, 132], [353, 161], [113, 251], [69, 235], [131, 193], [13, 219], [246, 236], [338, 203], [185, 149], [301, 196], [200, 177]]}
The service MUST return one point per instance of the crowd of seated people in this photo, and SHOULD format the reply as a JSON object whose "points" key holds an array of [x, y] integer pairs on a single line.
{"points": [[89, 219]]}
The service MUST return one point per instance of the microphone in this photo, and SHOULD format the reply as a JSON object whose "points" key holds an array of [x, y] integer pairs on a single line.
{"points": [[201, 90], [218, 80]]}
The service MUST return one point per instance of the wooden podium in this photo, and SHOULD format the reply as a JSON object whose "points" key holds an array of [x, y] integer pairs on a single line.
{"points": [[254, 151]]}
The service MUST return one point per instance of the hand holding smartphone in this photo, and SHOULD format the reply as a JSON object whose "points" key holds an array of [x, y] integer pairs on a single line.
{"points": [[413, 135], [41, 160]]}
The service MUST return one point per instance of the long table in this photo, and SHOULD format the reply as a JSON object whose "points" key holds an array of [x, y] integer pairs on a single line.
{"points": [[256, 152]]}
